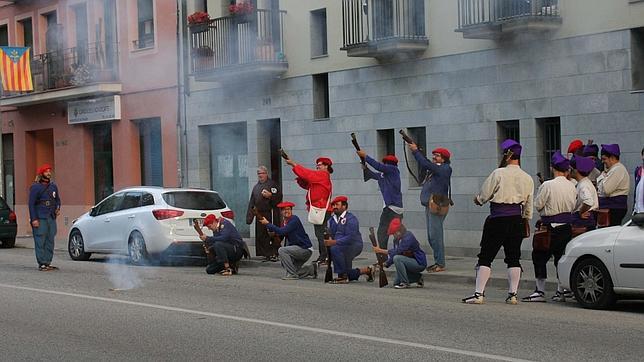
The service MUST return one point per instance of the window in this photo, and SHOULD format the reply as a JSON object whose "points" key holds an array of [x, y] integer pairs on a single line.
{"points": [[145, 24], [507, 130], [318, 33], [27, 33], [637, 58], [103, 172], [147, 199], [194, 200], [4, 35], [131, 200], [53, 32], [151, 152], [110, 204], [419, 136], [385, 143], [549, 140], [321, 96]]}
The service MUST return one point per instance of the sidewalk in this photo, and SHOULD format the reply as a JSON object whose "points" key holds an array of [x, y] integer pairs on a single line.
{"points": [[460, 269]]}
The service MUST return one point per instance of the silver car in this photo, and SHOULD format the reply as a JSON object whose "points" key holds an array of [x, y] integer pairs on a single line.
{"points": [[145, 223]]}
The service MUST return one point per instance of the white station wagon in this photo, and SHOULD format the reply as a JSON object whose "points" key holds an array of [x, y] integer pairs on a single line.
{"points": [[604, 265], [145, 223]]}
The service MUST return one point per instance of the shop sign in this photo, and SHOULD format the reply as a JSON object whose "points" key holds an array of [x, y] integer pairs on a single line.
{"points": [[94, 110]]}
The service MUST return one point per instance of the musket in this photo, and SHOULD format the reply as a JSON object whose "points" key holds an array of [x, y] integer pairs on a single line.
{"points": [[283, 154], [540, 177], [354, 141], [328, 277], [409, 140], [276, 240], [210, 255], [382, 277], [506, 157]]}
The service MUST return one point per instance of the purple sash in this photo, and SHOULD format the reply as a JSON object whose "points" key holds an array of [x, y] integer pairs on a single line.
{"points": [[501, 210], [563, 218], [615, 202], [590, 222]]}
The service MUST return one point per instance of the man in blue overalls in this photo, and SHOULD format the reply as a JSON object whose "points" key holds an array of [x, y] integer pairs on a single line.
{"points": [[44, 207]]}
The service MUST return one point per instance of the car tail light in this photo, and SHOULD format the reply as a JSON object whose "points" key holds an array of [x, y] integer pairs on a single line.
{"points": [[228, 214], [166, 214], [12, 216]]}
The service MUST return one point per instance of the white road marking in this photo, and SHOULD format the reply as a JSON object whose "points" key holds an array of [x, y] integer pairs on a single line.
{"points": [[274, 324]]}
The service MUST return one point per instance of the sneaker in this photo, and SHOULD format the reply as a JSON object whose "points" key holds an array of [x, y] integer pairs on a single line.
{"points": [[419, 284], [369, 274], [477, 298], [536, 296], [401, 286], [512, 299], [435, 268], [290, 277], [562, 296]]}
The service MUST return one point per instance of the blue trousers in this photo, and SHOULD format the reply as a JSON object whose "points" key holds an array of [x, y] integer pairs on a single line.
{"points": [[435, 236], [44, 236], [407, 269], [342, 257]]}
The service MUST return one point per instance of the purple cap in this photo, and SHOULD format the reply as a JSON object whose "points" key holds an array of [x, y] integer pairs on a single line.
{"points": [[511, 145], [559, 162], [584, 164], [611, 149], [591, 150]]}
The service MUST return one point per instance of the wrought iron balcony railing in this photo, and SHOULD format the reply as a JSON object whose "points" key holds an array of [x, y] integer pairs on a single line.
{"points": [[477, 13], [233, 41], [374, 23], [74, 67]]}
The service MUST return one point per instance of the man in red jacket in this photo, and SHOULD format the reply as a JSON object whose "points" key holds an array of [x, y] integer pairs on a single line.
{"points": [[319, 189]]}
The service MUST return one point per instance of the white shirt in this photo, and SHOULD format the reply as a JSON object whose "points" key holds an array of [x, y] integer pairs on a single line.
{"points": [[556, 196], [509, 185], [614, 181], [586, 194]]}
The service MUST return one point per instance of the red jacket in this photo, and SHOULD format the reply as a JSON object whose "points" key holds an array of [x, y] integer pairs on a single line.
{"points": [[318, 186]]}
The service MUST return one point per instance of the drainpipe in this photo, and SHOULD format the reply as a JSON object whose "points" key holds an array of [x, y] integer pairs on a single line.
{"points": [[182, 141]]}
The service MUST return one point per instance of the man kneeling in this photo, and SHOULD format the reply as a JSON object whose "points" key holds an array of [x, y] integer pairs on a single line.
{"points": [[226, 243], [409, 258], [297, 246]]}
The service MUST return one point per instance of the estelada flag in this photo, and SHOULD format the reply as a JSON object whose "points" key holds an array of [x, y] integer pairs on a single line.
{"points": [[15, 69]]}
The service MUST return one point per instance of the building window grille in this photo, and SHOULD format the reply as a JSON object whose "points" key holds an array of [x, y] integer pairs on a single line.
{"points": [[550, 129]]}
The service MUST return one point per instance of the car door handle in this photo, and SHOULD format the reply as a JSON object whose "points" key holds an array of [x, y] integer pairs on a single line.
{"points": [[107, 220], [131, 216], [607, 250]]}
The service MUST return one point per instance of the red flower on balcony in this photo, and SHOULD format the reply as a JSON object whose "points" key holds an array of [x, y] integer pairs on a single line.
{"points": [[198, 17], [240, 9]]}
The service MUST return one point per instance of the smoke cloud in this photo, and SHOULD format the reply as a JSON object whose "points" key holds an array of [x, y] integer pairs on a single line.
{"points": [[122, 275]]}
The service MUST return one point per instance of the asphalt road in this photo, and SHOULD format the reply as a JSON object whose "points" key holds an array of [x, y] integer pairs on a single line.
{"points": [[180, 313]]}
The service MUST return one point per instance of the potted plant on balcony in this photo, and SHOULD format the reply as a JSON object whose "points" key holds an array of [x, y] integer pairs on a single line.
{"points": [[241, 12], [199, 21]]}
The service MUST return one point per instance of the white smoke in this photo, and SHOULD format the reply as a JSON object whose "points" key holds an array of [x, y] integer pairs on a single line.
{"points": [[122, 275]]}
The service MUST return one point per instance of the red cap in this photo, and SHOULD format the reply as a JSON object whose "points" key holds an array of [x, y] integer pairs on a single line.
{"points": [[575, 145], [340, 199], [443, 152], [209, 219], [394, 226], [284, 204], [44, 168], [390, 159], [325, 160]]}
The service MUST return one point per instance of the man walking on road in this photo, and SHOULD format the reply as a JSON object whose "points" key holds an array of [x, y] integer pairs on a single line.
{"points": [[44, 207]]}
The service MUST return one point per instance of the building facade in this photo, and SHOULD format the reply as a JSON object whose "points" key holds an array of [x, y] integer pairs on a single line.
{"points": [[104, 110], [462, 74]]}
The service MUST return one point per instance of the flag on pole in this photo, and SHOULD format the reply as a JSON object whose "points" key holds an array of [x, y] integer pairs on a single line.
{"points": [[15, 69]]}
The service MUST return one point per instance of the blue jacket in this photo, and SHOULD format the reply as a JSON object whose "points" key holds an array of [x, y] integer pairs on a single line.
{"points": [[293, 231], [227, 233], [406, 243], [437, 181], [388, 181], [44, 200], [347, 231]]}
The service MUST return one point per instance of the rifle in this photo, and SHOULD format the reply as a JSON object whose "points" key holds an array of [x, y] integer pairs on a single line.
{"points": [[276, 240], [210, 255], [540, 177], [506, 157], [283, 154], [382, 277], [354, 140], [328, 277], [409, 140]]}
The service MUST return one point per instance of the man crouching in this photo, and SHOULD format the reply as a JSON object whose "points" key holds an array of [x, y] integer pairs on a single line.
{"points": [[226, 243]]}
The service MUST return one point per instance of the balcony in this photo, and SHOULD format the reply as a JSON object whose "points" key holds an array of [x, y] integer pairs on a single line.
{"points": [[382, 28], [72, 73], [236, 47], [497, 19]]}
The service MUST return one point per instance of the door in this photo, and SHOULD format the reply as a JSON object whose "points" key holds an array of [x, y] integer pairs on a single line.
{"points": [[229, 166], [98, 233], [122, 220], [629, 257], [103, 171]]}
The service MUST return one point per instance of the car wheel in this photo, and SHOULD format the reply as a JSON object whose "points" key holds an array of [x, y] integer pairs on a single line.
{"points": [[76, 246], [8, 243], [136, 249], [592, 284]]}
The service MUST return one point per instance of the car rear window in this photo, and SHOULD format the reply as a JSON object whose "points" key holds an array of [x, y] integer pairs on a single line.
{"points": [[194, 200]]}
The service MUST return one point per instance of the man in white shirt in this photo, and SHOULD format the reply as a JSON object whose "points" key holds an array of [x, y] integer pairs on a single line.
{"points": [[587, 200], [613, 185]]}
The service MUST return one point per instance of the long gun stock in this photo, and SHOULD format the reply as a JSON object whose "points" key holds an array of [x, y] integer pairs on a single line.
{"points": [[210, 255], [382, 276], [354, 141], [275, 239], [328, 277]]}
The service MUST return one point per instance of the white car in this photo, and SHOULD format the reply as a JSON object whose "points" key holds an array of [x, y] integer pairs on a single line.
{"points": [[145, 222], [604, 265]]}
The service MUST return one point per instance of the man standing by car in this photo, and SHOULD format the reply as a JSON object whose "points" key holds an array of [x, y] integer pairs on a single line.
{"points": [[264, 199], [44, 207], [613, 185]]}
